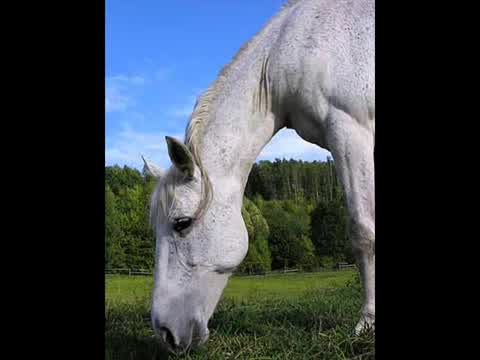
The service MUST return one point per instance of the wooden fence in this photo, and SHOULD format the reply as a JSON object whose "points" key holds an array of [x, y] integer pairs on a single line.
{"points": [[146, 272], [340, 266], [128, 272]]}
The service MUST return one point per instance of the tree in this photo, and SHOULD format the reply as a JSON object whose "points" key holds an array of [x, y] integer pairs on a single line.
{"points": [[119, 178], [292, 179], [328, 231], [114, 254], [289, 230], [129, 240], [258, 258], [137, 239], [286, 197]]}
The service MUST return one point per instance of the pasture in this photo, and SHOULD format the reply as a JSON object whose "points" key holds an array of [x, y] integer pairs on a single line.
{"points": [[286, 316]]}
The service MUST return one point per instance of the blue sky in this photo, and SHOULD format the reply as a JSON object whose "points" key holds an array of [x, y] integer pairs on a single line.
{"points": [[159, 56]]}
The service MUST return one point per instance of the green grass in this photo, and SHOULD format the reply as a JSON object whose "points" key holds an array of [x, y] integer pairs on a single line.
{"points": [[291, 316]]}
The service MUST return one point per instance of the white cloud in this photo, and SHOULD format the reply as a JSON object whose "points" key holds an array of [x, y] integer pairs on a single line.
{"points": [[125, 79], [287, 144], [127, 147], [184, 110], [181, 111], [121, 89], [137, 80], [129, 144], [118, 91], [116, 99]]}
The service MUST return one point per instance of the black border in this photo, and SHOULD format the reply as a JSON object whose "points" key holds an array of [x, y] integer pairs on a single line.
{"points": [[57, 148], [421, 145], [57, 246]]}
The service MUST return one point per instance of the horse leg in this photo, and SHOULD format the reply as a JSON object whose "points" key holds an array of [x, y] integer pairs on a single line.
{"points": [[352, 146]]}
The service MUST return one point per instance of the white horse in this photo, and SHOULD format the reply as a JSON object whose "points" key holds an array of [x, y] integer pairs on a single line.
{"points": [[311, 68]]}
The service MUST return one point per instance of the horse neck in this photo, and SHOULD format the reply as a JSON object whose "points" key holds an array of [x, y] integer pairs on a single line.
{"points": [[239, 125], [240, 120]]}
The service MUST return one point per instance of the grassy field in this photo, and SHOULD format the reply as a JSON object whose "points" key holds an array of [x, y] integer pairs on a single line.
{"points": [[291, 316]]}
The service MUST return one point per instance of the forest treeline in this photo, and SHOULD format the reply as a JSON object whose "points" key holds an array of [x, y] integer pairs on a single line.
{"points": [[293, 210]]}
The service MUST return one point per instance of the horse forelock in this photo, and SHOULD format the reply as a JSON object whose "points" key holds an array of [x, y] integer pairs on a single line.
{"points": [[163, 199]]}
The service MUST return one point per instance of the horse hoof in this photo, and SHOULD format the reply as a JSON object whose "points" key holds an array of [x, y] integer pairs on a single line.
{"points": [[366, 323]]}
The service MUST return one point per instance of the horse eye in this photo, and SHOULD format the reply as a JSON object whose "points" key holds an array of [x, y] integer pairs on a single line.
{"points": [[182, 223]]}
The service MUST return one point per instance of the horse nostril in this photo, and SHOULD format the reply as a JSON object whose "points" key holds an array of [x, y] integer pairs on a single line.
{"points": [[167, 337]]}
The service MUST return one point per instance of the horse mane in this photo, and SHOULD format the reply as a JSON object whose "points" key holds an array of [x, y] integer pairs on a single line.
{"points": [[164, 195]]}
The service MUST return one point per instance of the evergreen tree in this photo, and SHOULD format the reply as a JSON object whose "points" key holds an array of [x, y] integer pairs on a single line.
{"points": [[328, 231]]}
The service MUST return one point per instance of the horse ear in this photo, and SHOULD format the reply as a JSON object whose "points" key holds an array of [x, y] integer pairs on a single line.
{"points": [[151, 169], [180, 155]]}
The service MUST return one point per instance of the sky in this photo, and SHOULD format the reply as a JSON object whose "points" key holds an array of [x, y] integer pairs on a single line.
{"points": [[160, 55]]}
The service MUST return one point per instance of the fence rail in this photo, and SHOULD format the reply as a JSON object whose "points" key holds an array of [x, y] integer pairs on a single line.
{"points": [[128, 272], [146, 272], [341, 266]]}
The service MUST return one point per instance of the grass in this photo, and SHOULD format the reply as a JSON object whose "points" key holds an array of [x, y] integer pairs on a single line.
{"points": [[291, 316]]}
